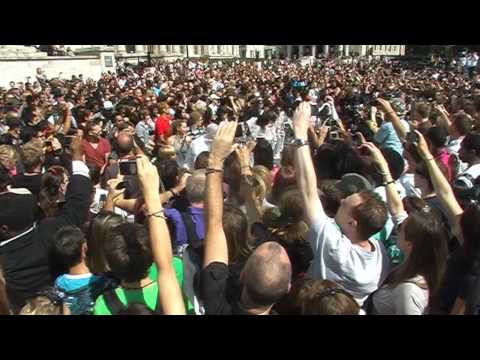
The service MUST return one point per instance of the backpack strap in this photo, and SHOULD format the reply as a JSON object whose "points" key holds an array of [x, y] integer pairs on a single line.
{"points": [[192, 235], [113, 302]]}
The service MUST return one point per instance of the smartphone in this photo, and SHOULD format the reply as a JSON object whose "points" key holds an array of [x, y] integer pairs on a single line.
{"points": [[356, 139], [128, 167], [335, 136]]}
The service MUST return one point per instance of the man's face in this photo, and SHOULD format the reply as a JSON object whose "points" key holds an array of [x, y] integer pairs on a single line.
{"points": [[343, 217], [96, 131]]}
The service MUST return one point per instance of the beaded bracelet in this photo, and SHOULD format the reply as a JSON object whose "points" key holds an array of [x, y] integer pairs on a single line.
{"points": [[213, 170]]}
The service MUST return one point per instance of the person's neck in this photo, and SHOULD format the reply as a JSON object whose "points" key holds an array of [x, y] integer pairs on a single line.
{"points": [[79, 269], [137, 284], [36, 171], [250, 308], [93, 140]]}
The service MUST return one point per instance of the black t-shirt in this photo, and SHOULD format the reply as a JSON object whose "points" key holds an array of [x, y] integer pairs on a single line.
{"points": [[30, 182], [219, 290]]}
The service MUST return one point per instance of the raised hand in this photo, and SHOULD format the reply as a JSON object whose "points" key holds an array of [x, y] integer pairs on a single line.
{"points": [[376, 156], [222, 145], [422, 147], [301, 120], [148, 177]]}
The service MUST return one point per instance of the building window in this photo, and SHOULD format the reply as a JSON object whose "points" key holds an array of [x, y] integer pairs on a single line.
{"points": [[130, 49], [182, 49], [219, 49], [195, 49], [169, 48]]}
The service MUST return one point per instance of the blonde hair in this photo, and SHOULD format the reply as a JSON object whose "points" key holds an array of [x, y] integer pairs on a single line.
{"points": [[266, 175], [31, 154], [41, 305]]}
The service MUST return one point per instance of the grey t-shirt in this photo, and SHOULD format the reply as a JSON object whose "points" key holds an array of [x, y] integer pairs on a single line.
{"points": [[359, 271]]}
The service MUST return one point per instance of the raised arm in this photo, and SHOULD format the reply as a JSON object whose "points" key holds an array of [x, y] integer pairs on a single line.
{"points": [[442, 187], [216, 249], [392, 115], [394, 202], [170, 295], [305, 172]]}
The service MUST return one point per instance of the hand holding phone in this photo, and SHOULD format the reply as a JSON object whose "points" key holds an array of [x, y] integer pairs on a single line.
{"points": [[128, 167]]}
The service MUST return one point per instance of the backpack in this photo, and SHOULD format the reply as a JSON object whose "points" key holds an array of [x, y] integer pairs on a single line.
{"points": [[116, 306]]}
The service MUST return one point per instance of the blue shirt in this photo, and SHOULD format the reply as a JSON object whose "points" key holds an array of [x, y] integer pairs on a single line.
{"points": [[198, 218], [387, 137]]}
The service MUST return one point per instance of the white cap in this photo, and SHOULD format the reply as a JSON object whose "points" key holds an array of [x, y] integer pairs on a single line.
{"points": [[107, 105]]}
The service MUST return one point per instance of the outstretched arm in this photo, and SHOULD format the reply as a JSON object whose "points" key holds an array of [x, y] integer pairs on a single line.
{"points": [[394, 202], [170, 295], [305, 172], [216, 249], [442, 187], [392, 115]]}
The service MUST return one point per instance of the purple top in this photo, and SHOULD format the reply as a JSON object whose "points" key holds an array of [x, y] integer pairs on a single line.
{"points": [[181, 237]]}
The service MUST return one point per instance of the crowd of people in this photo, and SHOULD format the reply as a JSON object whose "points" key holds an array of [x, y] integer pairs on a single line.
{"points": [[330, 188]]}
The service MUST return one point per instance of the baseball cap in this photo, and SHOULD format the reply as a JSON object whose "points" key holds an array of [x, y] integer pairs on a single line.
{"points": [[107, 105], [352, 183]]}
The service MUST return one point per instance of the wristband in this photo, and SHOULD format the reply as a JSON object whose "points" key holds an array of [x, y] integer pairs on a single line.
{"points": [[213, 170], [388, 183], [157, 214]]}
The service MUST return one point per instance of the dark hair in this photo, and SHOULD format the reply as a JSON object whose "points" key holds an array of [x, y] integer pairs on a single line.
{"points": [[263, 154], [423, 109], [429, 251], [201, 162], [437, 136], [324, 297], [266, 118], [100, 226], [395, 161], [50, 197], [94, 172], [67, 245], [235, 226], [371, 214], [330, 197], [169, 171], [422, 170], [128, 252], [471, 142]]}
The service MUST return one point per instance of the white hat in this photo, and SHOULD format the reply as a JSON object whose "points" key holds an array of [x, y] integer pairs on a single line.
{"points": [[107, 105]]}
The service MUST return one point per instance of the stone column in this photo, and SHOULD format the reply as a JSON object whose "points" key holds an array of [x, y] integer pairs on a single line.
{"points": [[325, 50], [300, 51], [314, 50], [340, 50], [140, 48], [346, 50], [289, 51], [121, 48]]}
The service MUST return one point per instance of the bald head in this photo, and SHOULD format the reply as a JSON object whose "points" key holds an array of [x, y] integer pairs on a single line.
{"points": [[125, 143], [267, 274]]}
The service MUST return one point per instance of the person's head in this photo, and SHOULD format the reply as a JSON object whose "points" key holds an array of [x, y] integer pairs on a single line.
{"points": [[201, 162], [8, 157], [266, 277], [100, 226], [124, 144], [266, 176], [43, 305], [180, 127], [266, 118], [461, 125], [437, 138], [263, 154], [195, 187], [93, 131], [330, 197], [361, 215], [32, 157], [70, 246], [423, 240], [196, 119], [53, 190], [128, 252], [422, 111], [235, 226], [470, 148], [324, 297], [169, 173]]}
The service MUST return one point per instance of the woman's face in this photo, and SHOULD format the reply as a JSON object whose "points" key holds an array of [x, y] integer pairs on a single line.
{"points": [[183, 128]]}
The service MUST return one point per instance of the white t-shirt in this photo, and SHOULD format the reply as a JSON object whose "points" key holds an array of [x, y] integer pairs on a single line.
{"points": [[473, 171], [198, 146], [404, 299], [359, 271], [95, 207]]}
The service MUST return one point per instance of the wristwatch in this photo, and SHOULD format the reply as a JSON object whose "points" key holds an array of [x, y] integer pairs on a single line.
{"points": [[299, 142]]}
